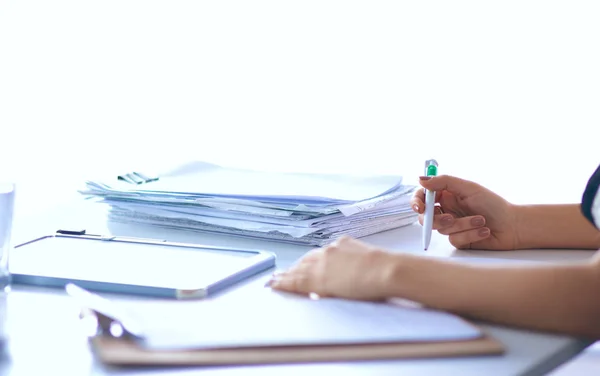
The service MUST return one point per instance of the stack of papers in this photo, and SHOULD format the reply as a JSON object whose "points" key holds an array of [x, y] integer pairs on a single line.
{"points": [[311, 209]]}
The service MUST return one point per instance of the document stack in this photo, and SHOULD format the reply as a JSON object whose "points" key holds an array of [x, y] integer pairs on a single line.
{"points": [[300, 208]]}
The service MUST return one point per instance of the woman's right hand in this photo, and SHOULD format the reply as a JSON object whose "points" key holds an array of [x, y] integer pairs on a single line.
{"points": [[473, 217]]}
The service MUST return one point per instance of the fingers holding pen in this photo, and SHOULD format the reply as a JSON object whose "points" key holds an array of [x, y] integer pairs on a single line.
{"points": [[447, 224], [463, 224], [440, 220], [417, 202], [465, 239], [465, 231]]}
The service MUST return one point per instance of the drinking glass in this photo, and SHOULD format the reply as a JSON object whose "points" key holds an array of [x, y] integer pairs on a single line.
{"points": [[7, 203]]}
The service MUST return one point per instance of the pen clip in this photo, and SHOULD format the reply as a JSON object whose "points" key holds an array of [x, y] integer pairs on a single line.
{"points": [[105, 317]]}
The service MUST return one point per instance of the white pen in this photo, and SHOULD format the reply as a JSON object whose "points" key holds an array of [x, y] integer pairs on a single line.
{"points": [[430, 170]]}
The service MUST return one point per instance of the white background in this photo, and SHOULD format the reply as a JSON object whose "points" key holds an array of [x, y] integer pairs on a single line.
{"points": [[504, 93]]}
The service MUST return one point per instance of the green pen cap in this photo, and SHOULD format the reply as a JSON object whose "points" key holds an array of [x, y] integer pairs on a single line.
{"points": [[431, 167]]}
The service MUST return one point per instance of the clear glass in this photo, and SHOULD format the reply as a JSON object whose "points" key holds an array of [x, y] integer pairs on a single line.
{"points": [[7, 203]]}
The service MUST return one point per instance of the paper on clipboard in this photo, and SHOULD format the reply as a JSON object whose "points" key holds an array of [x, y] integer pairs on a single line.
{"points": [[212, 333]]}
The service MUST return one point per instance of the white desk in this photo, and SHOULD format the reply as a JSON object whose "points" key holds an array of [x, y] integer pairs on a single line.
{"points": [[47, 338]]}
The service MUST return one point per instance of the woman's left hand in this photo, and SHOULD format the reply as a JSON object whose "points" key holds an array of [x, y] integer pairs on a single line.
{"points": [[347, 268]]}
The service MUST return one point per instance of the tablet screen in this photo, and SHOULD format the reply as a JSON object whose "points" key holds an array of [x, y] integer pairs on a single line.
{"points": [[126, 263]]}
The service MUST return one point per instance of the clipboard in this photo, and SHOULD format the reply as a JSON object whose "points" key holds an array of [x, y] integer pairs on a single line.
{"points": [[135, 266], [123, 352], [116, 340]]}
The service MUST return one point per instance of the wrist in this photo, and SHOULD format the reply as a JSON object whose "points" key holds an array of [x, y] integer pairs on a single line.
{"points": [[433, 282], [389, 264], [406, 275], [554, 226], [534, 226], [524, 218]]}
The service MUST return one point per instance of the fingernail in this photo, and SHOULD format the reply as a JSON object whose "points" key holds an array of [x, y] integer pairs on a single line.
{"points": [[276, 275], [447, 219], [424, 177], [484, 232], [477, 221], [271, 282], [416, 207]]}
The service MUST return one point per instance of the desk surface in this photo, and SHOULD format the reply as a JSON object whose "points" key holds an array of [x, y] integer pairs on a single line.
{"points": [[45, 334]]}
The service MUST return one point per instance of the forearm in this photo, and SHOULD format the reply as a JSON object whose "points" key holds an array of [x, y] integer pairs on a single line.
{"points": [[562, 299], [555, 226]]}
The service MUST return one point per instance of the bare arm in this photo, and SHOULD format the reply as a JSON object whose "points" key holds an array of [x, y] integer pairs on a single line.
{"points": [[558, 298], [555, 226]]}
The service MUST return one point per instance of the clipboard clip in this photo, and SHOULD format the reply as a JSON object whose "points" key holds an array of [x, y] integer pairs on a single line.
{"points": [[137, 178], [102, 317]]}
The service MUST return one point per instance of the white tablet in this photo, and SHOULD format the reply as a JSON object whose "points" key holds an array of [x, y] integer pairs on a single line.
{"points": [[133, 265]]}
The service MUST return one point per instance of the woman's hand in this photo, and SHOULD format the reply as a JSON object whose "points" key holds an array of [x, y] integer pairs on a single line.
{"points": [[347, 268], [471, 215]]}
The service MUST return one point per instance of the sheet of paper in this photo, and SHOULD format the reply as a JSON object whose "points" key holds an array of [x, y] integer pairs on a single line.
{"points": [[276, 319], [361, 231], [212, 229], [314, 239], [400, 196], [293, 219], [223, 222], [191, 211], [212, 180]]}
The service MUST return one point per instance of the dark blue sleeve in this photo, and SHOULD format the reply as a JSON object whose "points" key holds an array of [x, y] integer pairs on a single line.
{"points": [[590, 202]]}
